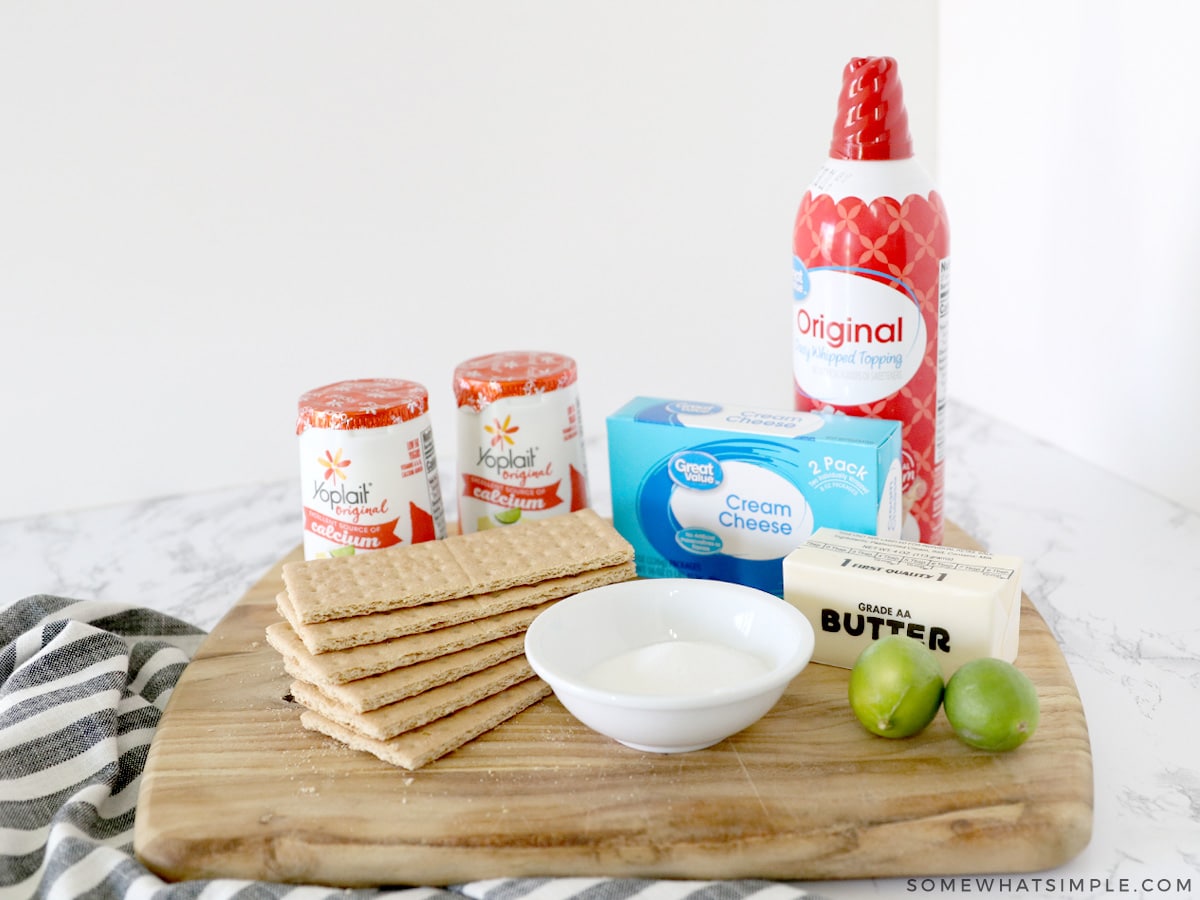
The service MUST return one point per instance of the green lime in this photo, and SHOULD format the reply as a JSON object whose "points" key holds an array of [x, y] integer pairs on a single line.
{"points": [[991, 704], [342, 551], [508, 516], [896, 687]]}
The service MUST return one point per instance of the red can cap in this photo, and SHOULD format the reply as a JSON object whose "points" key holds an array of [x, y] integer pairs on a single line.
{"points": [[872, 122], [485, 379], [362, 403]]}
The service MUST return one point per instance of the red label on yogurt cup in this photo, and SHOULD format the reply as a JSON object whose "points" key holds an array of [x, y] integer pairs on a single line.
{"points": [[523, 373], [352, 534]]}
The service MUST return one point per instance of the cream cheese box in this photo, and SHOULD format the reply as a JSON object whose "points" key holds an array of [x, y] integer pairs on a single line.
{"points": [[725, 491], [855, 589]]}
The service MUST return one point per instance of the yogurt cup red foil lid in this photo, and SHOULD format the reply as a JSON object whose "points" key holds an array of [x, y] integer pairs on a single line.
{"points": [[515, 373], [872, 123], [361, 403]]}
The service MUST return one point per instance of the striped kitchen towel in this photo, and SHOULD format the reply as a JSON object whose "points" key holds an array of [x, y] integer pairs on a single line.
{"points": [[82, 687]]}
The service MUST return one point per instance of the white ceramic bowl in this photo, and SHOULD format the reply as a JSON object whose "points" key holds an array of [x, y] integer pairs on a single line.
{"points": [[669, 664]]}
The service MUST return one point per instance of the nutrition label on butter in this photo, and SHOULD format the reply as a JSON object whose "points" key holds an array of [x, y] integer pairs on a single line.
{"points": [[912, 555]]}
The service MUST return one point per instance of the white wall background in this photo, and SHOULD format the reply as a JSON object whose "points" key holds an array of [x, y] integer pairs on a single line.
{"points": [[1070, 153], [208, 208]]}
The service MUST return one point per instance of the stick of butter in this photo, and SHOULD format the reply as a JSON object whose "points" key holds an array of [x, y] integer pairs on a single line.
{"points": [[855, 589]]}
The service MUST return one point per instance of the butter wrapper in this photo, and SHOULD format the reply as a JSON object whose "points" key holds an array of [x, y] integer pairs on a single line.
{"points": [[855, 589]]}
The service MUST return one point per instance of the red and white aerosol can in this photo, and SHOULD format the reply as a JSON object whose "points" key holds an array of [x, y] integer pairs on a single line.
{"points": [[871, 285]]}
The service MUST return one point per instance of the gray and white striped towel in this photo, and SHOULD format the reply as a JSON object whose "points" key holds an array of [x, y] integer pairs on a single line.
{"points": [[83, 686]]}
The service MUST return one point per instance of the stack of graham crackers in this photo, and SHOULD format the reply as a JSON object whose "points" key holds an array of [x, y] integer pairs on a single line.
{"points": [[411, 652]]}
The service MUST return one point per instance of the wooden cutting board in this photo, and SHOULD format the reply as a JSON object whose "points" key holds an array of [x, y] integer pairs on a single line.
{"points": [[234, 787]]}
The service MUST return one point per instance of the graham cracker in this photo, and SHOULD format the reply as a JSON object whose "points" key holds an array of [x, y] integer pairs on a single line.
{"points": [[374, 691], [456, 566], [421, 709], [339, 634], [341, 666], [416, 748]]}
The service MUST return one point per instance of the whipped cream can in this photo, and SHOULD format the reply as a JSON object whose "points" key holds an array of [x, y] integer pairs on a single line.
{"points": [[871, 286], [368, 468], [520, 439]]}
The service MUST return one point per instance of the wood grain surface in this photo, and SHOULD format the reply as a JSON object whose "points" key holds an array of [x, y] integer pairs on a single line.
{"points": [[234, 787]]}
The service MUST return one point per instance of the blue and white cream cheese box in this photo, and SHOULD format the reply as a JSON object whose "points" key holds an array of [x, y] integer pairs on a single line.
{"points": [[726, 491]]}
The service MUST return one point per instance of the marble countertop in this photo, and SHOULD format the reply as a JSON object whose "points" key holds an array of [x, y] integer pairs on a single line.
{"points": [[1113, 569]]}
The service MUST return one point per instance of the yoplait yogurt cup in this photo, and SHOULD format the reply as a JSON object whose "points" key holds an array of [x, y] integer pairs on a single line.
{"points": [[368, 467], [520, 439]]}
